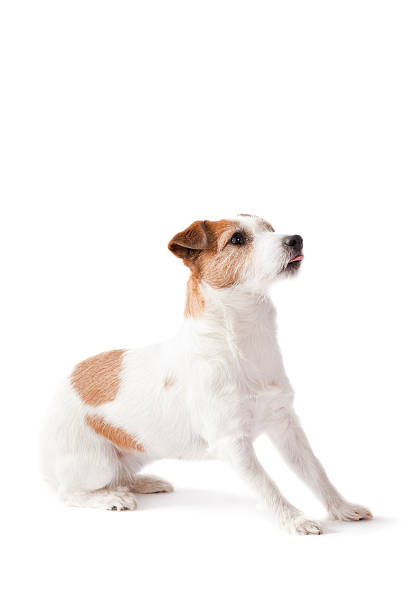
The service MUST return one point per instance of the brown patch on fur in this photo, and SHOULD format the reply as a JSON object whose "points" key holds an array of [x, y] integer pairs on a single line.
{"points": [[221, 265], [97, 379], [194, 300], [168, 382], [116, 435]]}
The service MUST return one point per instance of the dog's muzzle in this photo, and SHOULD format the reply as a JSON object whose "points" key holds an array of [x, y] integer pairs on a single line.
{"points": [[294, 244]]}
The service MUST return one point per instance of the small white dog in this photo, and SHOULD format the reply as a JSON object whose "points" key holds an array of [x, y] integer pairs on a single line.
{"points": [[208, 392]]}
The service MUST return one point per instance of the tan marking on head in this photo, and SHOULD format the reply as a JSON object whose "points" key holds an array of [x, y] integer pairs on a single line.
{"points": [[116, 435], [222, 264], [219, 263], [169, 381], [97, 379]]}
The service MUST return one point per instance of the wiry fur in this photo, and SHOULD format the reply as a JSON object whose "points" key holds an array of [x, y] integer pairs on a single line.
{"points": [[208, 392]]}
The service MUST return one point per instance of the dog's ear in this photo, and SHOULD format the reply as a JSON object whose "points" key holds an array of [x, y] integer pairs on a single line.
{"points": [[189, 242]]}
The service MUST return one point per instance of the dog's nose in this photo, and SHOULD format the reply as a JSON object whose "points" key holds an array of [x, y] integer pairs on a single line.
{"points": [[296, 242]]}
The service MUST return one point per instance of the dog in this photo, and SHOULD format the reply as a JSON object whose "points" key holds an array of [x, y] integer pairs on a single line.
{"points": [[207, 393]]}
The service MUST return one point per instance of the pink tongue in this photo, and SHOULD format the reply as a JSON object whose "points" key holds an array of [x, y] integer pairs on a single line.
{"points": [[298, 258]]}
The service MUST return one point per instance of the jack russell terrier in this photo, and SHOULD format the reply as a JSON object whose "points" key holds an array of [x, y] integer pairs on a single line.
{"points": [[209, 392]]}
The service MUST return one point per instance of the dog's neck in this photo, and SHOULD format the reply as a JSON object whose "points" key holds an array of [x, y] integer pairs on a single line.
{"points": [[228, 316]]}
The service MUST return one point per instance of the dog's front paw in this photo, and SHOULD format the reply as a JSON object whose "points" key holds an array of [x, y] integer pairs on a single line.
{"points": [[343, 511], [305, 526]]}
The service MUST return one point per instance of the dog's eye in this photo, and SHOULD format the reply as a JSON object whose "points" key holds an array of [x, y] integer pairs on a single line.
{"points": [[237, 238]]}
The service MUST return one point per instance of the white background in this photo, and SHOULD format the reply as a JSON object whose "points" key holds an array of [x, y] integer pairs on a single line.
{"points": [[121, 123]]}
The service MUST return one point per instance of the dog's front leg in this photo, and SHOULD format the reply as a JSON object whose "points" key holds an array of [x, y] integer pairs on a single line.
{"points": [[291, 441], [239, 453]]}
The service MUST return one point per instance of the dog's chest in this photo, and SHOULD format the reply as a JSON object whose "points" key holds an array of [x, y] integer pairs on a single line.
{"points": [[258, 357], [243, 364]]}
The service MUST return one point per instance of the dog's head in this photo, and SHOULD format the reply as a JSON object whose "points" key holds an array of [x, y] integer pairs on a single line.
{"points": [[242, 252]]}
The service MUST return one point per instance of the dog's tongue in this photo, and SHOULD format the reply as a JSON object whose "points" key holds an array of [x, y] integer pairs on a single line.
{"points": [[297, 258]]}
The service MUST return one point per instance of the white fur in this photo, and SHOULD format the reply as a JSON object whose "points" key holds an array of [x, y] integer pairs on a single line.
{"points": [[229, 387]]}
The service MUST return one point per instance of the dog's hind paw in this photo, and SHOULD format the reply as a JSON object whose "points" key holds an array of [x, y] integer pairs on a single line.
{"points": [[150, 484]]}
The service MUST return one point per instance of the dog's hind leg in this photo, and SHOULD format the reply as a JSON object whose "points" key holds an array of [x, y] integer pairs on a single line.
{"points": [[140, 483], [87, 473]]}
